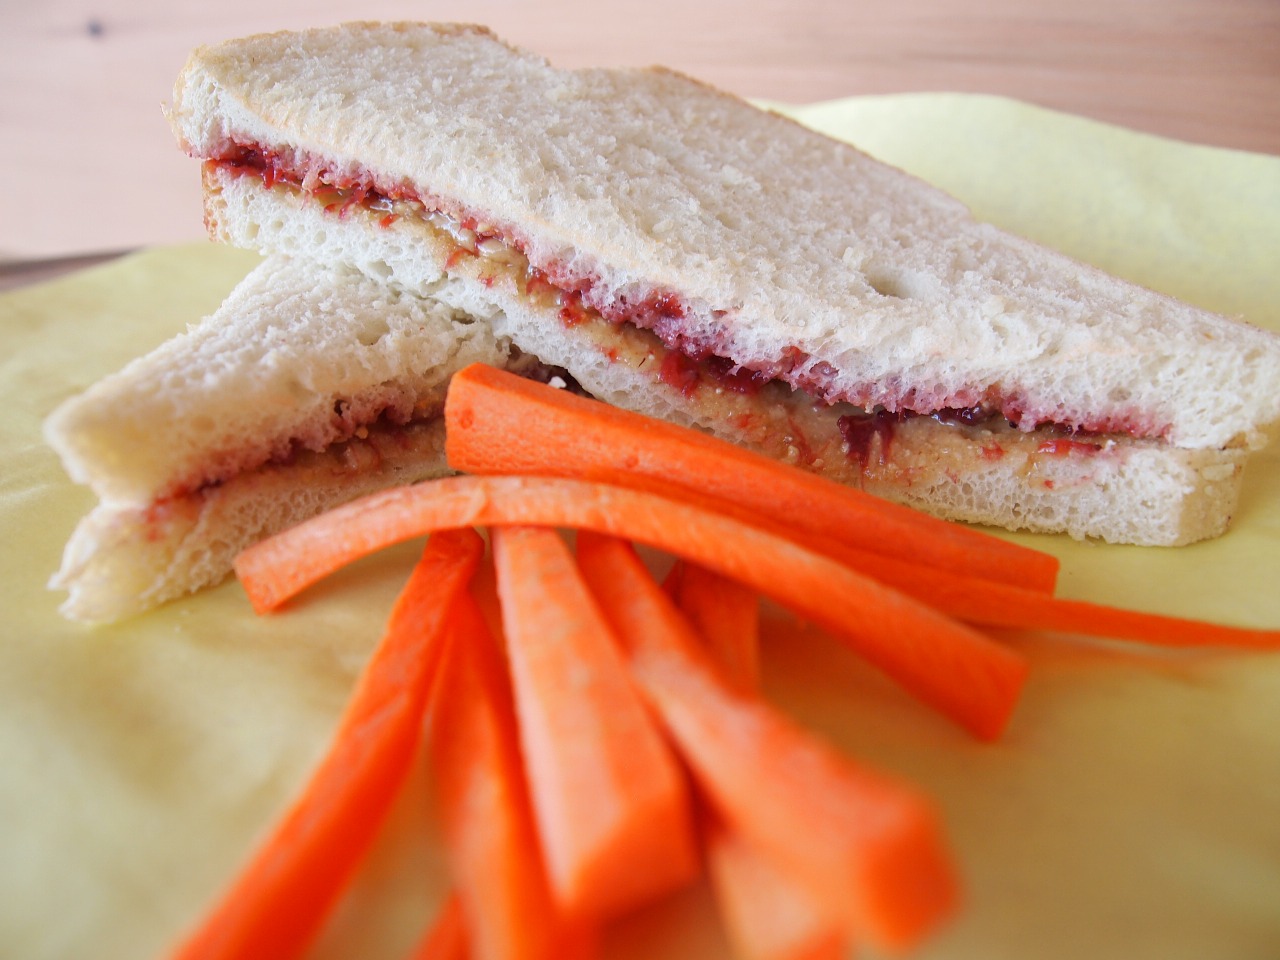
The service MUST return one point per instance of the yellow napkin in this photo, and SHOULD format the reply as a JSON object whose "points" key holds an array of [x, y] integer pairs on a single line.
{"points": [[1130, 812]]}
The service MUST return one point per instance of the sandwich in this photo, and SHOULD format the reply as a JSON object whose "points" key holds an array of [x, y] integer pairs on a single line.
{"points": [[686, 255], [309, 386]]}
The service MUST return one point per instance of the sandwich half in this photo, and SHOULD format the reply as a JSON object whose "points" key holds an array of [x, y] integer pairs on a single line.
{"points": [[686, 255], [308, 387]]}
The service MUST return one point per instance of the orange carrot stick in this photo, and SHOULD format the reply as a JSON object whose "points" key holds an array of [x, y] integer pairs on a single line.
{"points": [[959, 672], [446, 937], [868, 846], [989, 604], [489, 433], [1005, 608], [726, 615], [499, 423], [490, 837], [767, 914], [612, 807], [282, 897]]}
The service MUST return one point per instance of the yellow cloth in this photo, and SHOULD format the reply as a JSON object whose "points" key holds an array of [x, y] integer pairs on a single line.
{"points": [[1132, 811]]}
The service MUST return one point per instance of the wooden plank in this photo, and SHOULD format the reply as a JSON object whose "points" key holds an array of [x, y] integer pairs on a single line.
{"points": [[89, 164]]}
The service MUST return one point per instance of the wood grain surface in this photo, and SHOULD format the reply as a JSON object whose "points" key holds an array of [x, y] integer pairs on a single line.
{"points": [[88, 164]]}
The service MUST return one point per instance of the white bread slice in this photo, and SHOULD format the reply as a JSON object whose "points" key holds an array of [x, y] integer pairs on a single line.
{"points": [[1119, 489], [298, 357], [309, 386], [776, 247]]}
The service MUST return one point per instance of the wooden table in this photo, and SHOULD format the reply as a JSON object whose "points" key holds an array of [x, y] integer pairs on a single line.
{"points": [[88, 166]]}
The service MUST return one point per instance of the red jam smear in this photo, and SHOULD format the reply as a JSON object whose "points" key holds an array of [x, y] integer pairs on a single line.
{"points": [[861, 432], [680, 373]]}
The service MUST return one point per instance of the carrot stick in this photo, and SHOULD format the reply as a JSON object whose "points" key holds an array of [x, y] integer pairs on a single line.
{"points": [[1012, 608], [985, 603], [490, 837], [964, 675], [869, 847], [446, 937], [282, 897], [988, 604], [500, 423], [611, 804], [726, 615], [767, 915]]}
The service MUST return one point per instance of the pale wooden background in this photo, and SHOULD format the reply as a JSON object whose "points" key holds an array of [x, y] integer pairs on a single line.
{"points": [[87, 164]]}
